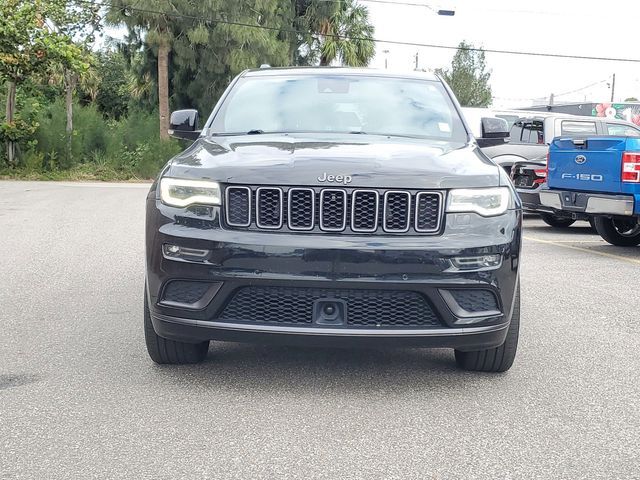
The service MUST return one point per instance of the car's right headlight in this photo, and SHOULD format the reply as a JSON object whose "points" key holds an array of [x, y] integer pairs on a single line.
{"points": [[178, 192], [487, 202]]}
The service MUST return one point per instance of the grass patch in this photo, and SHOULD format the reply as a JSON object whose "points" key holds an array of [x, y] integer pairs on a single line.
{"points": [[83, 172]]}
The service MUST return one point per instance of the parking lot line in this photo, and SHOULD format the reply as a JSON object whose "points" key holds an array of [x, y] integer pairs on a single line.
{"points": [[576, 241], [580, 249]]}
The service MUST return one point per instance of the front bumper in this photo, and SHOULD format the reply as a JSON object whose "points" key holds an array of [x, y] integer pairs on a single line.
{"points": [[240, 260], [189, 330], [588, 203]]}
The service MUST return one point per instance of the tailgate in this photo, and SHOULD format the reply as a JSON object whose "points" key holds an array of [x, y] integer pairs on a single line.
{"points": [[586, 164]]}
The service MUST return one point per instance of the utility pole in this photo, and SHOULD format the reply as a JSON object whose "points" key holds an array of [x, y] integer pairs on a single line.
{"points": [[386, 54], [613, 87], [417, 53]]}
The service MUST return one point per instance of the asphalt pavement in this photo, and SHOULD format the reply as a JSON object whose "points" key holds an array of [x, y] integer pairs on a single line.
{"points": [[79, 398]]}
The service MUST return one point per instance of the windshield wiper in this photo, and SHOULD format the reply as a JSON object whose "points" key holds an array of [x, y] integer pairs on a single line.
{"points": [[257, 131]]}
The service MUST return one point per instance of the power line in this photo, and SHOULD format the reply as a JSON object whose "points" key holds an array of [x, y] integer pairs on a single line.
{"points": [[555, 95], [427, 5], [376, 40], [386, 2], [582, 88], [470, 7]]}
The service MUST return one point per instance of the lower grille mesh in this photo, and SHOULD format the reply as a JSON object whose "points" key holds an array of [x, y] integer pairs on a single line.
{"points": [[475, 300], [365, 308], [181, 291]]}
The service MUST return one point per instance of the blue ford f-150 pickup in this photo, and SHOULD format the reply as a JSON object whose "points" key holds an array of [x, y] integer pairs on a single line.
{"points": [[599, 176]]}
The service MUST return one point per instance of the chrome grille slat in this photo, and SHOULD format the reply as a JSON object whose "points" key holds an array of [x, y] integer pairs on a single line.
{"points": [[397, 211], [238, 206], [301, 208], [428, 211], [333, 210], [365, 208], [269, 207]]}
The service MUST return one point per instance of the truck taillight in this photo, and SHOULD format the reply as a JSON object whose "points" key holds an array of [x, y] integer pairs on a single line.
{"points": [[630, 167], [541, 173], [546, 167]]}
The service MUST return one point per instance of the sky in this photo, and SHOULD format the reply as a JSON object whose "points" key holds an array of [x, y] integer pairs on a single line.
{"points": [[602, 29]]}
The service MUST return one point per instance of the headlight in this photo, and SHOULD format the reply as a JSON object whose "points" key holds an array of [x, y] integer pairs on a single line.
{"points": [[182, 193], [488, 202]]}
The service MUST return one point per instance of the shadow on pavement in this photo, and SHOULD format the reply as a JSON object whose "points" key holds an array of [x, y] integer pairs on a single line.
{"points": [[260, 368], [572, 230]]}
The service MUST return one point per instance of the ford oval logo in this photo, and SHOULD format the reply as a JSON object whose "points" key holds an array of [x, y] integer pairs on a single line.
{"points": [[580, 159]]}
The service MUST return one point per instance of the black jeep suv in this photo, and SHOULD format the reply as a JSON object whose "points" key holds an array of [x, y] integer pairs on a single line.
{"points": [[336, 207]]}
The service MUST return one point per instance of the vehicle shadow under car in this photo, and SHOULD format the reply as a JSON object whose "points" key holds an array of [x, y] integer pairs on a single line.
{"points": [[575, 229], [316, 369]]}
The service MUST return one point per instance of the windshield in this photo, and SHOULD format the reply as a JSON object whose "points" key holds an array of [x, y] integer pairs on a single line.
{"points": [[340, 104]]}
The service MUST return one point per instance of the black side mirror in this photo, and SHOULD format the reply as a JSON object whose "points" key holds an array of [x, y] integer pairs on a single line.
{"points": [[184, 124], [495, 131]]}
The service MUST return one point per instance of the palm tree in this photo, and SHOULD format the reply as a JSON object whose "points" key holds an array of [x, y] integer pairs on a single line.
{"points": [[344, 32], [60, 74], [151, 17]]}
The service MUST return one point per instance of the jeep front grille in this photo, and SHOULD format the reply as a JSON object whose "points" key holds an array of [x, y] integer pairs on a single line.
{"points": [[349, 210]]}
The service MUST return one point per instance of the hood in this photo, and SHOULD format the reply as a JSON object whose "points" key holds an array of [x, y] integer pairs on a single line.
{"points": [[367, 161]]}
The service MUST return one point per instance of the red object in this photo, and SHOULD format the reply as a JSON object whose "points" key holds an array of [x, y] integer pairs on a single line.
{"points": [[601, 109], [546, 167], [630, 167]]}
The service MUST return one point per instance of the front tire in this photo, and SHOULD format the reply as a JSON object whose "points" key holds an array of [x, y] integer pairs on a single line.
{"points": [[620, 232], [165, 351], [557, 222], [498, 359]]}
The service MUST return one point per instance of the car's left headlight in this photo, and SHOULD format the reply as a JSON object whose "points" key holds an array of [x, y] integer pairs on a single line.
{"points": [[487, 202], [177, 192]]}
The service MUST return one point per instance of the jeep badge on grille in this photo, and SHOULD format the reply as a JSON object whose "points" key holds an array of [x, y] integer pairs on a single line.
{"points": [[344, 179]]}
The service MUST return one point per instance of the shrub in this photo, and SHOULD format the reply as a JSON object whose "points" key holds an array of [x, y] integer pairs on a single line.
{"points": [[128, 148]]}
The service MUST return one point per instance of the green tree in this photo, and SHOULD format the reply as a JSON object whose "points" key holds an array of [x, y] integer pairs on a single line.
{"points": [[204, 53], [212, 53], [339, 31], [155, 21], [141, 71], [631, 99], [79, 22], [468, 76], [29, 46], [106, 85]]}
